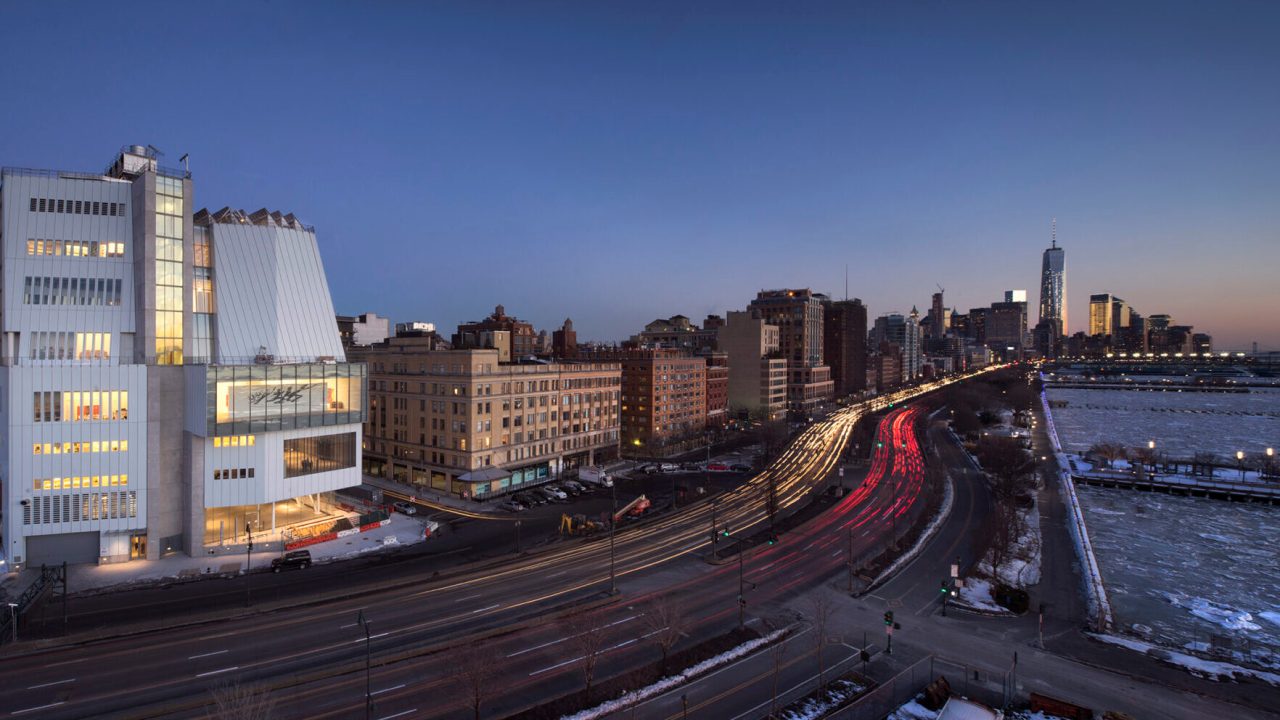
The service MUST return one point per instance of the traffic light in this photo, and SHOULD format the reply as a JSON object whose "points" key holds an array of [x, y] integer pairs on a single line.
{"points": [[888, 617], [890, 406], [773, 539], [879, 444], [724, 532], [944, 588]]}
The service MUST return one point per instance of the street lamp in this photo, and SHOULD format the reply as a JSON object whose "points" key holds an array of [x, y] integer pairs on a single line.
{"points": [[613, 520], [1240, 463], [13, 619], [248, 560], [368, 653]]}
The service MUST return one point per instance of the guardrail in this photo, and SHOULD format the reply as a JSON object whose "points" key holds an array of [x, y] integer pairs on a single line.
{"points": [[1095, 591]]}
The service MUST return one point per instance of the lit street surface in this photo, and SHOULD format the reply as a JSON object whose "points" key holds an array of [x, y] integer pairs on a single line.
{"points": [[315, 652]]}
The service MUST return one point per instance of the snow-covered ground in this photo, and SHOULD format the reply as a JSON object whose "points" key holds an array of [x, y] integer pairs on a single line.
{"points": [[1020, 571], [836, 694], [1181, 424], [1180, 571], [1212, 669], [668, 683], [401, 530]]}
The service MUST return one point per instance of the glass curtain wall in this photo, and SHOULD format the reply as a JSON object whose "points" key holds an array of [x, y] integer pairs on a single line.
{"points": [[169, 286]]}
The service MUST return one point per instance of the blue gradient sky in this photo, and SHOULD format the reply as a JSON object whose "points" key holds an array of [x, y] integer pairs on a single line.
{"points": [[621, 163]]}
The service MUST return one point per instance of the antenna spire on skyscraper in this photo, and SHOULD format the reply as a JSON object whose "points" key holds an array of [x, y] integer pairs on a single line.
{"points": [[1054, 233]]}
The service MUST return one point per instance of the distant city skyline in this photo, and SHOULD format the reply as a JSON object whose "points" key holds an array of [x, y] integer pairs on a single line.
{"points": [[616, 165]]}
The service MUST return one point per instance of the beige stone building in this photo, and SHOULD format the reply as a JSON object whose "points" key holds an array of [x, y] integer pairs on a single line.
{"points": [[757, 369], [466, 423]]}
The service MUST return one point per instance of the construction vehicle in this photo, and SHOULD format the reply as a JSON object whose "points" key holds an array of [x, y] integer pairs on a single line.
{"points": [[577, 525], [633, 508]]}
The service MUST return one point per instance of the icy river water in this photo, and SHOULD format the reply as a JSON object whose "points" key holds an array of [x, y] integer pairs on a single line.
{"points": [[1183, 572]]}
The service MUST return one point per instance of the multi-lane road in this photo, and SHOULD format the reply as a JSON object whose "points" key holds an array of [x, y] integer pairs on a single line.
{"points": [[312, 656]]}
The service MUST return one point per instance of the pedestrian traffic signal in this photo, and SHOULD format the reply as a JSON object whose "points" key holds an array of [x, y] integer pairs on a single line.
{"points": [[888, 617]]}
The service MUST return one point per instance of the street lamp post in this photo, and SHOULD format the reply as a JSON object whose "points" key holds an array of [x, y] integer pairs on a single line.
{"points": [[248, 560], [13, 619], [368, 654], [613, 520], [1240, 463]]}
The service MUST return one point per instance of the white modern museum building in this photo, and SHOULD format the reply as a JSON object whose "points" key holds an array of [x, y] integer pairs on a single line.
{"points": [[168, 378]]}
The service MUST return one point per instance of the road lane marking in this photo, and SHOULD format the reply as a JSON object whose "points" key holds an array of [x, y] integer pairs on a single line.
{"points": [[399, 714], [219, 652], [562, 572], [215, 672], [42, 707], [469, 597], [344, 627], [557, 665], [379, 692], [68, 662], [473, 612], [60, 682]]}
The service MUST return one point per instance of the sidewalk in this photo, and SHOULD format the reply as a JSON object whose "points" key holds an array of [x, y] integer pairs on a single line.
{"points": [[221, 560]]}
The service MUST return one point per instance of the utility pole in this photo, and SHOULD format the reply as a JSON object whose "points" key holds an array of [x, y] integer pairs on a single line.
{"points": [[742, 592], [248, 560], [368, 652], [850, 559], [613, 520]]}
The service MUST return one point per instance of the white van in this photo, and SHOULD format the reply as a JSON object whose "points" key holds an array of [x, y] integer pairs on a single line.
{"points": [[595, 476]]}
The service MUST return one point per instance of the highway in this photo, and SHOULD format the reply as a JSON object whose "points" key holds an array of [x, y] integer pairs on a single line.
{"points": [[298, 650]]}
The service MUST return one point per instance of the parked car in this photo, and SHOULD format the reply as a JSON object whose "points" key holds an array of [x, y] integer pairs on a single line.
{"points": [[668, 468], [574, 487], [551, 495], [404, 508], [511, 506], [648, 469], [530, 499], [294, 559], [739, 467], [717, 467]]}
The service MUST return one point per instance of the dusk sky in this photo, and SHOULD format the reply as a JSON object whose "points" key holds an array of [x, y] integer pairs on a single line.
{"points": [[615, 163]]}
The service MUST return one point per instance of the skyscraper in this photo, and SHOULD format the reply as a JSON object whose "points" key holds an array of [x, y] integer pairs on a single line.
{"points": [[1053, 284], [1107, 314]]}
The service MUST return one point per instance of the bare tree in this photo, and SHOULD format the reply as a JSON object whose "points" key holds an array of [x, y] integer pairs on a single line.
{"points": [[586, 630], [666, 621], [778, 653], [820, 606], [475, 666], [1108, 452], [1003, 526], [1008, 465], [1205, 462], [1144, 456], [242, 702]]}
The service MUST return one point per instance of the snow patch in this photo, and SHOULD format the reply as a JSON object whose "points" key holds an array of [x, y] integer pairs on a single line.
{"points": [[668, 683], [813, 708], [912, 711], [1199, 667]]}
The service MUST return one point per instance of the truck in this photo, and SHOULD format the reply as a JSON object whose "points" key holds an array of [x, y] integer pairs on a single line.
{"points": [[595, 476]]}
